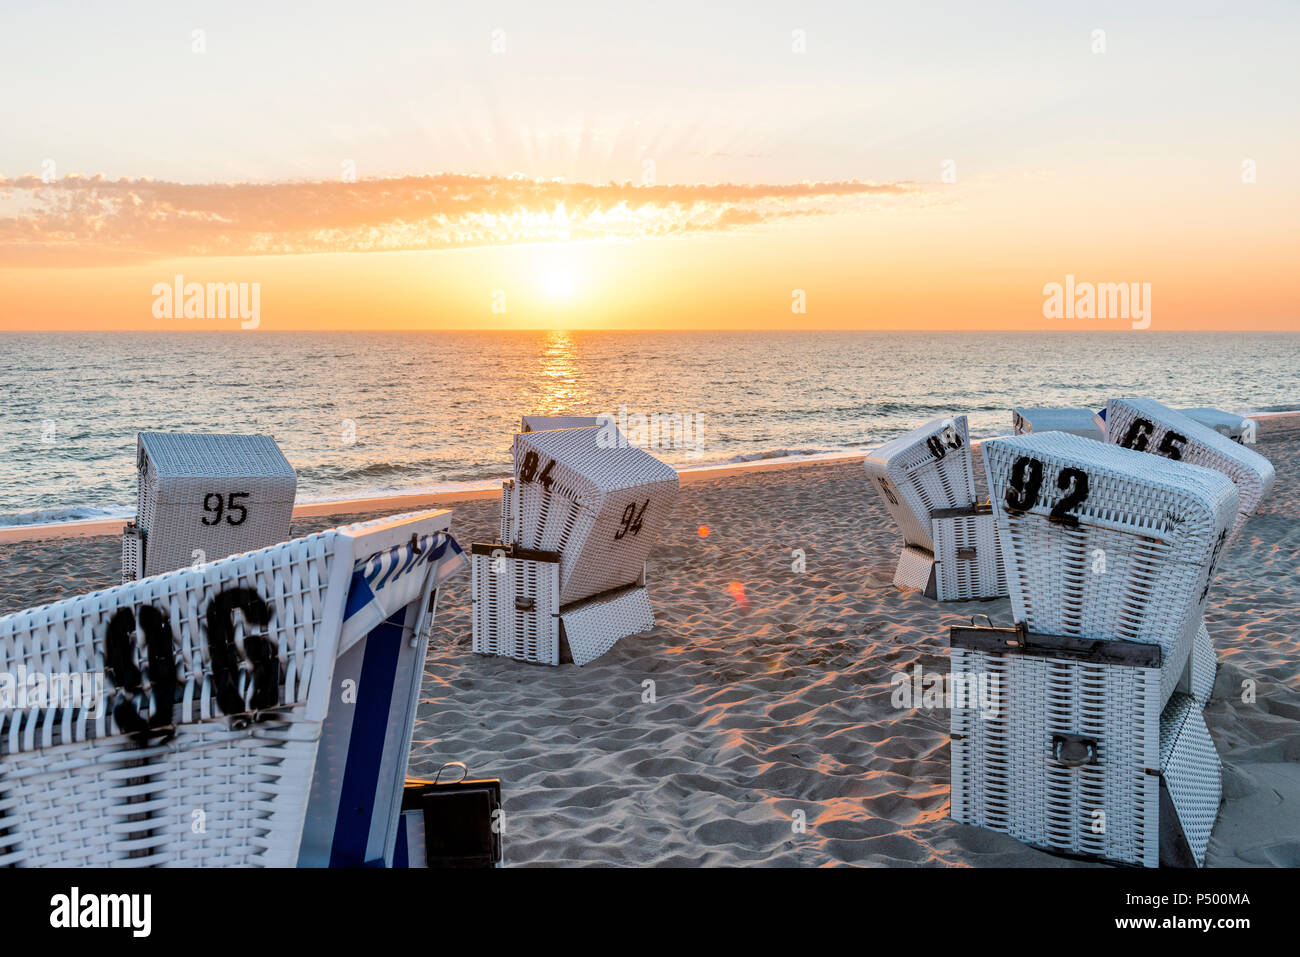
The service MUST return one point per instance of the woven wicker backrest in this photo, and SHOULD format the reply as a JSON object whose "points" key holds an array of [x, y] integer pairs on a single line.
{"points": [[211, 686], [1101, 542], [541, 423], [927, 469], [204, 497], [1147, 426], [596, 500]]}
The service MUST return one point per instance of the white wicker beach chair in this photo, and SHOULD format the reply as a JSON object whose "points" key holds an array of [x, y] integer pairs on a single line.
{"points": [[1228, 424], [541, 423], [204, 497], [927, 484], [1147, 426], [255, 711], [1104, 543], [578, 520], [1077, 754], [1083, 422]]}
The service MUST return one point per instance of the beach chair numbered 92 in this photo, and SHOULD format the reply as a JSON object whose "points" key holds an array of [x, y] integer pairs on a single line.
{"points": [[1148, 426], [579, 518], [254, 711], [927, 484], [1092, 746], [204, 497], [1077, 755]]}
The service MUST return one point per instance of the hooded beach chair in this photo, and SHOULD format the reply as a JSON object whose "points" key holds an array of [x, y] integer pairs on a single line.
{"points": [[579, 517], [926, 481], [254, 711], [1147, 426], [1093, 748], [1083, 422], [1228, 424], [542, 423], [204, 497]]}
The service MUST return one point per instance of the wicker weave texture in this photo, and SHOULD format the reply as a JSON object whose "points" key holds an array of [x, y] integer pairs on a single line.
{"points": [[1202, 667], [204, 497], [1148, 426], [915, 568], [600, 505], [509, 531], [1132, 558], [968, 558], [516, 603], [593, 627], [927, 469], [132, 553], [208, 783], [1191, 770], [1004, 773]]}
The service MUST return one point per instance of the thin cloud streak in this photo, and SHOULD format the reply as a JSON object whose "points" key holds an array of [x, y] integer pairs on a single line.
{"points": [[86, 221]]}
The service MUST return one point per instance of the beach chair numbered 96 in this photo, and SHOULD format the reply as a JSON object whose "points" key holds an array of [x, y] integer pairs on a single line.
{"points": [[254, 711]]}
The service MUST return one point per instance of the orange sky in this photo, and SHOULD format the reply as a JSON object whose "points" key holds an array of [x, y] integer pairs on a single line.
{"points": [[888, 178]]}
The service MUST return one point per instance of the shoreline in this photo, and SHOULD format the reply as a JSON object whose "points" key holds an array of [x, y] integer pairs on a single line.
{"points": [[772, 668], [1272, 425]]}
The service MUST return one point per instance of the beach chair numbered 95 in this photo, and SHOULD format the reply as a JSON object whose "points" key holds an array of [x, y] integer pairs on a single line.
{"points": [[254, 711], [926, 481], [204, 497]]}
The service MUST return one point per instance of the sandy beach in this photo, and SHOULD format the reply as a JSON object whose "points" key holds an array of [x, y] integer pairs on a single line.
{"points": [[765, 689]]}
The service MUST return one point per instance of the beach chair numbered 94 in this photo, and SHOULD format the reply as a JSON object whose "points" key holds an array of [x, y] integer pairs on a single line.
{"points": [[579, 518], [926, 482], [1088, 743], [255, 711], [204, 497]]}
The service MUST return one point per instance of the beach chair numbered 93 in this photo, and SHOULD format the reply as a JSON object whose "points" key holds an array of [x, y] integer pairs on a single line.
{"points": [[204, 497], [254, 711], [926, 482], [1093, 747], [579, 518]]}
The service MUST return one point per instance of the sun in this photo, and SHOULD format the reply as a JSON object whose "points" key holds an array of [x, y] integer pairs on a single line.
{"points": [[559, 282], [558, 274]]}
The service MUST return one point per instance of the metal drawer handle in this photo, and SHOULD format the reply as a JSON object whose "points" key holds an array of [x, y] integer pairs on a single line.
{"points": [[523, 604], [1074, 750]]}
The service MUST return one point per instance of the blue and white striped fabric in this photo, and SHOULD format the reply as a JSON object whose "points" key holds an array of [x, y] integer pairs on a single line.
{"points": [[394, 578]]}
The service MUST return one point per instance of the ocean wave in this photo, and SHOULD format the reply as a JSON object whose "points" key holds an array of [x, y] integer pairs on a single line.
{"points": [[67, 513]]}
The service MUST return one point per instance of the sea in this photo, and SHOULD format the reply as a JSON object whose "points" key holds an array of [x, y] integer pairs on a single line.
{"points": [[362, 414]]}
